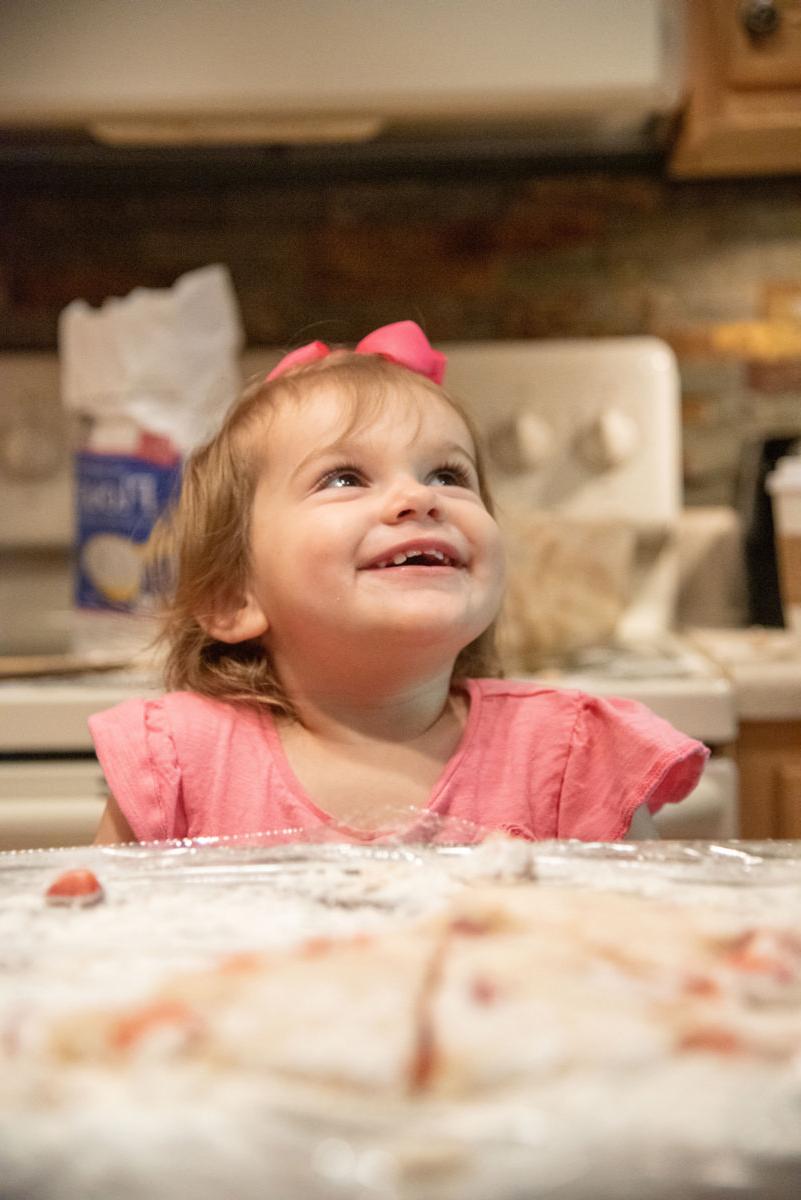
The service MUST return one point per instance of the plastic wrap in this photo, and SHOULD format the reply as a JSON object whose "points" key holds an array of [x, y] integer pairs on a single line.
{"points": [[703, 1126]]}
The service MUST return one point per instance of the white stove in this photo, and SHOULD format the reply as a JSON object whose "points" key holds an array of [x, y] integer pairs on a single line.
{"points": [[575, 428]]}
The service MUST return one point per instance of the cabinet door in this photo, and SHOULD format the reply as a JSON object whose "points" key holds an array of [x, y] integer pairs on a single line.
{"points": [[761, 42], [743, 110], [789, 798], [769, 763]]}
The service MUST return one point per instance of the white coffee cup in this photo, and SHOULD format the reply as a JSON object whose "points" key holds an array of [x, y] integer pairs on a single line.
{"points": [[784, 486]]}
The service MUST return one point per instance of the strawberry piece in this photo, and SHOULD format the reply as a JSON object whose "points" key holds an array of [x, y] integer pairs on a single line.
{"points": [[77, 888], [714, 1039], [149, 1019]]}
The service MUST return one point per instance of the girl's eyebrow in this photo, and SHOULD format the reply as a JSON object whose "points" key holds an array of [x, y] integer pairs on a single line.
{"points": [[458, 448], [343, 446]]}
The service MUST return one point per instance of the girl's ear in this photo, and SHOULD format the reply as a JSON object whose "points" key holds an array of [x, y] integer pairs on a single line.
{"points": [[233, 624]]}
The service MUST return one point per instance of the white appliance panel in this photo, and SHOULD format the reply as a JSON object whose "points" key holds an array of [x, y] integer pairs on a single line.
{"points": [[571, 386]]}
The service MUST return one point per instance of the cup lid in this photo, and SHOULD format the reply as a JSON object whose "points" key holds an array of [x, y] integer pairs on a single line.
{"points": [[786, 476]]}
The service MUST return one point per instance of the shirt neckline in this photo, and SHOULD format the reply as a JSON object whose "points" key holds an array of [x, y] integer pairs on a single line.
{"points": [[473, 692]]}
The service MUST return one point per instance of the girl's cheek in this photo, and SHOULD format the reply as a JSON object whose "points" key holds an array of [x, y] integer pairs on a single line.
{"points": [[498, 555]]}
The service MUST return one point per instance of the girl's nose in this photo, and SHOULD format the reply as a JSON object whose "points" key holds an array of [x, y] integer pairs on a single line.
{"points": [[412, 499]]}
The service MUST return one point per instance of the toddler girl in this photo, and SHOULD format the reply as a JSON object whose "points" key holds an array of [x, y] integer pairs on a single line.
{"points": [[338, 574]]}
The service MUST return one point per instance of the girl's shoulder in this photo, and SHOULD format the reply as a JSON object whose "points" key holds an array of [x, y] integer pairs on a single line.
{"points": [[540, 694], [178, 712], [578, 713], [194, 704], [515, 693], [521, 709]]}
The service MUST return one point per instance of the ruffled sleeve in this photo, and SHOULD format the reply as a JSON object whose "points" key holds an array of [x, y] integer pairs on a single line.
{"points": [[136, 749], [622, 756]]}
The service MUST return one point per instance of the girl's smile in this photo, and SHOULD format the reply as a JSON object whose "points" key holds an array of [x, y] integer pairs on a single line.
{"points": [[371, 539], [422, 554]]}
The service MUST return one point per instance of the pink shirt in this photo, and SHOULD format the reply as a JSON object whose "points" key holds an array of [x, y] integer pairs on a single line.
{"points": [[532, 761]]}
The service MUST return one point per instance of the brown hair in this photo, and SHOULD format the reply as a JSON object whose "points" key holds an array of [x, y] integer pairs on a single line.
{"points": [[205, 537]]}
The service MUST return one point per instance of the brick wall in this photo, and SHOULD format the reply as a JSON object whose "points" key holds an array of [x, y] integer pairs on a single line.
{"points": [[714, 267]]}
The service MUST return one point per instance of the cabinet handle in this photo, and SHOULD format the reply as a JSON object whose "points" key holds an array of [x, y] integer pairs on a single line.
{"points": [[760, 18]]}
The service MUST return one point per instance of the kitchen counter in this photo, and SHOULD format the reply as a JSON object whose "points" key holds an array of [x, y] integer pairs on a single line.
{"points": [[227, 1089], [764, 669], [763, 666]]}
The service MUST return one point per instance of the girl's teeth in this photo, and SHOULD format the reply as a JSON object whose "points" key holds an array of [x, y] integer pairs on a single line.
{"points": [[400, 559]]}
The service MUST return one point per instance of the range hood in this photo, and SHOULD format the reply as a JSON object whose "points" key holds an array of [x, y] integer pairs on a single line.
{"points": [[590, 74]]}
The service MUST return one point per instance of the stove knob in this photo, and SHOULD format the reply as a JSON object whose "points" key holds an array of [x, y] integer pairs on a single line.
{"points": [[760, 18], [523, 443], [535, 439], [610, 441], [28, 452]]}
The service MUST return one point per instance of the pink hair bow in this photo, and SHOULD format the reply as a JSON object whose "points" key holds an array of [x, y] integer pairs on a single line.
{"points": [[402, 342]]}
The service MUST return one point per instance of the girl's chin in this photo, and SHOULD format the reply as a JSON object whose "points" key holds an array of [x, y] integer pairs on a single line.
{"points": [[417, 635]]}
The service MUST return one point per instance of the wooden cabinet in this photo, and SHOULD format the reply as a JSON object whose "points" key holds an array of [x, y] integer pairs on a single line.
{"points": [[743, 110], [789, 796], [769, 765]]}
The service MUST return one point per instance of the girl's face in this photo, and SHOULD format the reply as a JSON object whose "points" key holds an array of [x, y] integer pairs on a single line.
{"points": [[368, 537]]}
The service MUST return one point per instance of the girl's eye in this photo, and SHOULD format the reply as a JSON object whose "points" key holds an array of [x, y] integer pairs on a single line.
{"points": [[342, 477], [451, 475]]}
